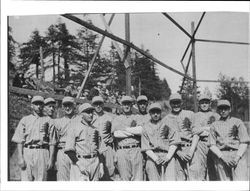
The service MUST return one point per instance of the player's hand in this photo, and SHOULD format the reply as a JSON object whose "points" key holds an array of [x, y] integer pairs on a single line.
{"points": [[236, 160], [159, 161], [22, 163], [183, 156], [49, 165], [190, 154], [82, 169], [101, 171], [228, 162], [166, 160]]}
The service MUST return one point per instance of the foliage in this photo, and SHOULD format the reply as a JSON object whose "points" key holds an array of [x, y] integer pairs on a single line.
{"points": [[237, 92]]}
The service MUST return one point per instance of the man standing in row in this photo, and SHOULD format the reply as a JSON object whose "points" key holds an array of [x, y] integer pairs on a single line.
{"points": [[128, 143], [184, 119], [159, 142], [102, 121], [228, 140], [82, 147], [202, 123], [35, 139], [62, 125]]}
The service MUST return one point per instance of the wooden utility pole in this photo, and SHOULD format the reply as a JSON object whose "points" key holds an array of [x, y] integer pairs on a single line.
{"points": [[128, 70], [194, 70], [42, 65]]}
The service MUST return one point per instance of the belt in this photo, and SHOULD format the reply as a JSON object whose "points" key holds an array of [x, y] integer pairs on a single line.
{"points": [[36, 146], [186, 144], [159, 151], [60, 148], [128, 147], [88, 156], [228, 149]]}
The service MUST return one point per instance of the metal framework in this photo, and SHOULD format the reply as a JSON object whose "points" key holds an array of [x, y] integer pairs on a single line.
{"points": [[128, 44]]}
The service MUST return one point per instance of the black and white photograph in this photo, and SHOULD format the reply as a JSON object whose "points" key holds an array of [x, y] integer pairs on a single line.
{"points": [[128, 96]]}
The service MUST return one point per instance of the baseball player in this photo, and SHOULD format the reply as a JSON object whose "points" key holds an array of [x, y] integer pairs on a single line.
{"points": [[128, 143], [102, 121], [35, 140], [228, 140], [49, 111], [63, 162], [143, 117], [202, 122], [49, 107], [185, 152], [159, 142], [82, 147]]}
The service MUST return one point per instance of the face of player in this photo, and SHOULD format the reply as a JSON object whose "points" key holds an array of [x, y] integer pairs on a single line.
{"points": [[68, 108], [87, 116], [204, 105], [49, 109], [126, 107], [224, 111], [98, 107], [155, 115], [142, 106], [176, 106], [37, 107]]}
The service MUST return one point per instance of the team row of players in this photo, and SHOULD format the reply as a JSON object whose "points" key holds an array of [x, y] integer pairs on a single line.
{"points": [[91, 144]]}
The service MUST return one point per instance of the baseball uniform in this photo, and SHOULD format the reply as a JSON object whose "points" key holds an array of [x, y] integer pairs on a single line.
{"points": [[227, 136], [183, 121], [36, 134], [63, 162], [202, 156], [106, 145], [84, 140], [151, 140], [129, 156]]}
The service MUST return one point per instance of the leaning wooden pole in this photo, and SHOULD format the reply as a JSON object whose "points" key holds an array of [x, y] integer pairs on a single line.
{"points": [[128, 70], [41, 62], [194, 71], [93, 59]]}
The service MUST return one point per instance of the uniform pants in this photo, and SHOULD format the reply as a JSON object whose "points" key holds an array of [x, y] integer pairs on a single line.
{"points": [[109, 167], [63, 164], [226, 173], [129, 162], [154, 171], [211, 172], [198, 164], [36, 164], [92, 167]]}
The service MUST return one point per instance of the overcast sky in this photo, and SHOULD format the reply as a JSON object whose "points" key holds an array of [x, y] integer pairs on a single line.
{"points": [[166, 42]]}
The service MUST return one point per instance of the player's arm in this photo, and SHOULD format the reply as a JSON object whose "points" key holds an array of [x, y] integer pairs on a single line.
{"points": [[135, 130], [21, 161], [122, 134]]}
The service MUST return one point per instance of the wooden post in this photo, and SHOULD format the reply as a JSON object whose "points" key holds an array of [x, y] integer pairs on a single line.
{"points": [[194, 70], [41, 61], [139, 86], [128, 70]]}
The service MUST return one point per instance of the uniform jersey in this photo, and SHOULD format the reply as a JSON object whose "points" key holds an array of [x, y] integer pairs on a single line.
{"points": [[121, 122], [152, 138], [142, 119], [183, 121], [202, 119], [35, 130], [99, 122], [82, 138], [62, 126], [228, 134]]}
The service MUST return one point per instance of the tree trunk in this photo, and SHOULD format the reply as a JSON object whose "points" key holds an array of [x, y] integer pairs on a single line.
{"points": [[54, 67], [66, 69], [58, 65]]}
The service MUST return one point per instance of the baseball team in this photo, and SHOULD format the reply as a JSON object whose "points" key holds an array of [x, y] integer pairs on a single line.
{"points": [[91, 144]]}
